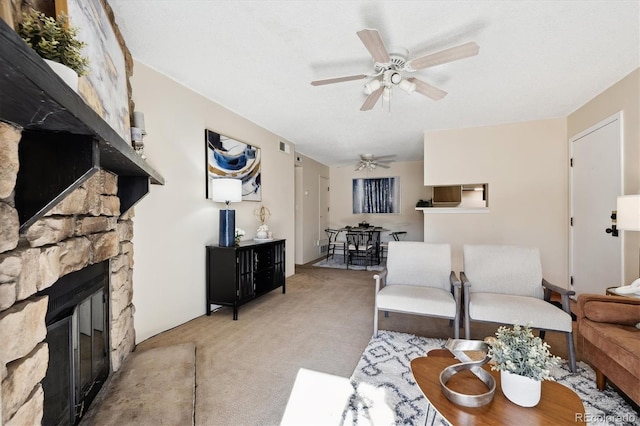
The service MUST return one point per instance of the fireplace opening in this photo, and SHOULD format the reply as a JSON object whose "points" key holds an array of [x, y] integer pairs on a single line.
{"points": [[78, 340]]}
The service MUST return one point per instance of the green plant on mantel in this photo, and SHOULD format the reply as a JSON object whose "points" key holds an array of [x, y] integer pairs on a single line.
{"points": [[54, 39]]}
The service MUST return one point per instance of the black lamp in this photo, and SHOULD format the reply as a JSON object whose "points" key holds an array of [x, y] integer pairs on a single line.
{"points": [[227, 191]]}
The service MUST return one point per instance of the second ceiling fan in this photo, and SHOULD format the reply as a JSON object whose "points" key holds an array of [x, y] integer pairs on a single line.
{"points": [[370, 162], [389, 68]]}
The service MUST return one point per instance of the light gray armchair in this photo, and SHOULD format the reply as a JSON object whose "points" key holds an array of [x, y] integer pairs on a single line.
{"points": [[418, 280], [504, 284]]}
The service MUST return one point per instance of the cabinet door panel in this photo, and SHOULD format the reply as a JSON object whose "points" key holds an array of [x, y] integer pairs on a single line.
{"points": [[279, 263], [245, 274], [222, 273]]}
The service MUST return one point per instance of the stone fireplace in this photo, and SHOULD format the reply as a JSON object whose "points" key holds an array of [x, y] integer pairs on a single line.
{"points": [[77, 339], [84, 229]]}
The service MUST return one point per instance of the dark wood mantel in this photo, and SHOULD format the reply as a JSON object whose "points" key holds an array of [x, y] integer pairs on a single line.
{"points": [[36, 99]]}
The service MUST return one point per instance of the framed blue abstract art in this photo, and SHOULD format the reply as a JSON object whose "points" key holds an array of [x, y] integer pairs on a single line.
{"points": [[230, 158]]}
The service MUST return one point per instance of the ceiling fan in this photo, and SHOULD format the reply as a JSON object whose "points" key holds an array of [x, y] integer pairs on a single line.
{"points": [[390, 69], [371, 162]]}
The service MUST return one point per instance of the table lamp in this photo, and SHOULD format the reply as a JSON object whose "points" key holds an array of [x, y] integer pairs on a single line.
{"points": [[226, 191], [628, 213]]}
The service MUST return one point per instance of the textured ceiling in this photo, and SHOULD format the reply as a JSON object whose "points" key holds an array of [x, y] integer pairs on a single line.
{"points": [[537, 60]]}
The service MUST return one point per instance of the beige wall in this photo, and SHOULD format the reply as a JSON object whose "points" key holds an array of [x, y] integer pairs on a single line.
{"points": [[174, 222], [307, 208], [411, 187], [526, 167], [623, 96]]}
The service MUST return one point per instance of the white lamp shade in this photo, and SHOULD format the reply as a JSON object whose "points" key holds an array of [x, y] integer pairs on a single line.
{"points": [[407, 86], [628, 213], [371, 86], [226, 190]]}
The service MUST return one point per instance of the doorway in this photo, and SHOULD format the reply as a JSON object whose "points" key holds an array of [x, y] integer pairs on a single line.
{"points": [[323, 210], [299, 217], [595, 182]]}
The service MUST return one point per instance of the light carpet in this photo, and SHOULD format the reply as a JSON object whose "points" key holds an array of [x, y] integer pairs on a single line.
{"points": [[385, 392], [337, 263]]}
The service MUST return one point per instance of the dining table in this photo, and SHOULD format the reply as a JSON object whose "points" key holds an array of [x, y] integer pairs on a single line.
{"points": [[363, 228]]}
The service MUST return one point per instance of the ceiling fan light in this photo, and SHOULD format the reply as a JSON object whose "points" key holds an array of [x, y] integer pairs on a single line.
{"points": [[371, 86], [386, 94], [395, 78], [407, 86]]}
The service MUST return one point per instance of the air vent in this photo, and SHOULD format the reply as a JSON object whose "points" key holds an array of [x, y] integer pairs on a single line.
{"points": [[284, 147]]}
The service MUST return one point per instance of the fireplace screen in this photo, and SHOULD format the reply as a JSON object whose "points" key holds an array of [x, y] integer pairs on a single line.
{"points": [[58, 382], [78, 340]]}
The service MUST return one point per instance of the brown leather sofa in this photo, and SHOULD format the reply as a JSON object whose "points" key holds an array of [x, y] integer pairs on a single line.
{"points": [[609, 340]]}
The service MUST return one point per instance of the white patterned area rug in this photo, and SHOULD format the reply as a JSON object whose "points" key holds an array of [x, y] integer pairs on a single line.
{"points": [[337, 263], [386, 394]]}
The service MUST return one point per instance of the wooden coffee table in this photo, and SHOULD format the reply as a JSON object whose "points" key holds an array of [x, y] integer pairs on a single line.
{"points": [[558, 404]]}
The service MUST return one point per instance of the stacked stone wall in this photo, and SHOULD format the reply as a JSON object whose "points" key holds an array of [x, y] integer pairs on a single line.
{"points": [[85, 228]]}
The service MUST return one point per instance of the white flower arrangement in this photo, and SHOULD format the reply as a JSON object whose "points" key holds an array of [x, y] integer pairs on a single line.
{"points": [[239, 235], [518, 351], [263, 228]]}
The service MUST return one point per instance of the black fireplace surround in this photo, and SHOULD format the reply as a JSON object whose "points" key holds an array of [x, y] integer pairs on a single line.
{"points": [[78, 340]]}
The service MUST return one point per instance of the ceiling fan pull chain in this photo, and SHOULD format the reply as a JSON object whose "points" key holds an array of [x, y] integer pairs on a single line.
{"points": [[387, 97]]}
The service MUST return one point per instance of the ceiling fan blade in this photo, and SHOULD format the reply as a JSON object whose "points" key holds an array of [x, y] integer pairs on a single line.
{"points": [[371, 100], [374, 44], [427, 89], [382, 165], [371, 157], [338, 79], [444, 56]]}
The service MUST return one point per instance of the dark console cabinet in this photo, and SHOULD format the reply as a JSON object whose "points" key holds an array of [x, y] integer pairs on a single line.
{"points": [[237, 275]]}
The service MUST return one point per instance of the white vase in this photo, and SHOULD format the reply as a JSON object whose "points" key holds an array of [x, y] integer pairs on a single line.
{"points": [[68, 75], [520, 390]]}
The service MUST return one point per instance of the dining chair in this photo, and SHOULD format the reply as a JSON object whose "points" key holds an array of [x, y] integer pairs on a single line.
{"points": [[335, 244], [398, 235], [360, 249], [504, 284], [374, 240]]}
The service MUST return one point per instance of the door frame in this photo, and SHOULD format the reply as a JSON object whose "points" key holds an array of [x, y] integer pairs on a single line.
{"points": [[619, 117], [323, 194]]}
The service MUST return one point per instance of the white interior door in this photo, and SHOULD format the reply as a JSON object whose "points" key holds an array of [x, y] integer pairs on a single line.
{"points": [[299, 246], [596, 256], [323, 207]]}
